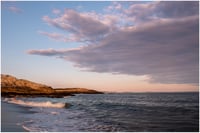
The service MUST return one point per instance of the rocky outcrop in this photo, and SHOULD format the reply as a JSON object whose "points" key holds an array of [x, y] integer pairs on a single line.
{"points": [[12, 87], [76, 91], [12, 84]]}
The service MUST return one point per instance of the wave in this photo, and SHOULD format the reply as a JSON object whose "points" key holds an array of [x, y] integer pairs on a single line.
{"points": [[32, 129], [26, 128], [47, 104]]}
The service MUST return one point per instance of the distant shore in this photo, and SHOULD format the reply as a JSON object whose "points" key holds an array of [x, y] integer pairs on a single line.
{"points": [[11, 117]]}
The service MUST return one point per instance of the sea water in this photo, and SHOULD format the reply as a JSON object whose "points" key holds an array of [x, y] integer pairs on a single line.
{"points": [[112, 112]]}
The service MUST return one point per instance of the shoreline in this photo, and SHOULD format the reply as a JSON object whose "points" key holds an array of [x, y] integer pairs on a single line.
{"points": [[11, 117]]}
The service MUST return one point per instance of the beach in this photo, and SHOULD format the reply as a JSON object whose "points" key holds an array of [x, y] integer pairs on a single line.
{"points": [[11, 117]]}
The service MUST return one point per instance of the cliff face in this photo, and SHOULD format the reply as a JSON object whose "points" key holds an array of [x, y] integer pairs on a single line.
{"points": [[12, 84]]}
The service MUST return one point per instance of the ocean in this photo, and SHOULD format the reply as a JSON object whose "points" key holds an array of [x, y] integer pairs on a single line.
{"points": [[116, 112]]}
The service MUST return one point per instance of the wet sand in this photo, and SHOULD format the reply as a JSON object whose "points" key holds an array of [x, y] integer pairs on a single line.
{"points": [[11, 116]]}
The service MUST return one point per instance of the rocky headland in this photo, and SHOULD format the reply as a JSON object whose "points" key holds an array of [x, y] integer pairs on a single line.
{"points": [[13, 87]]}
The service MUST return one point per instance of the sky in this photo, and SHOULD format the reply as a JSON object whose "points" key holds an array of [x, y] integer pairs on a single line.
{"points": [[107, 46]]}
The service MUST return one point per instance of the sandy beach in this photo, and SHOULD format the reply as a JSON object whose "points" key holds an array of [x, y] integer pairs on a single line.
{"points": [[10, 117]]}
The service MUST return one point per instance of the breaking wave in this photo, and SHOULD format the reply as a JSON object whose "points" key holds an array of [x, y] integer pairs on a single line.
{"points": [[46, 104]]}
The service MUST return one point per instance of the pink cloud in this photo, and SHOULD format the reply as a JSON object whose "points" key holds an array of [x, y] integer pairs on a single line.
{"points": [[158, 39], [55, 36], [61, 37], [14, 9], [56, 11], [86, 26], [166, 51]]}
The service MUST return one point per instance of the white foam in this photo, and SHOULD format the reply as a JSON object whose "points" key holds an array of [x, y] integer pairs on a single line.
{"points": [[36, 104], [32, 129], [54, 113], [26, 128]]}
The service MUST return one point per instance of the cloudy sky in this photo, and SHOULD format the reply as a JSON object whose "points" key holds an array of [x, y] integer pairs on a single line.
{"points": [[108, 46]]}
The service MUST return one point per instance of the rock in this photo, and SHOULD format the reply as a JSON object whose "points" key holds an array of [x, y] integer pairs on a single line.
{"points": [[13, 87], [12, 84], [77, 91]]}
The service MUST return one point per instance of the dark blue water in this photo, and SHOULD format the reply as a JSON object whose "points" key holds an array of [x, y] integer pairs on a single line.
{"points": [[163, 112]]}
